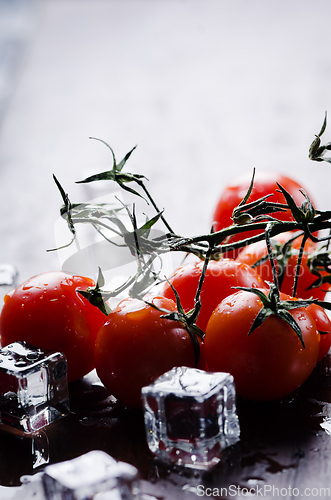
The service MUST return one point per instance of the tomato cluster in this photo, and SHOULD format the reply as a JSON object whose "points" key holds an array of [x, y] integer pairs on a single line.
{"points": [[141, 339], [272, 361]]}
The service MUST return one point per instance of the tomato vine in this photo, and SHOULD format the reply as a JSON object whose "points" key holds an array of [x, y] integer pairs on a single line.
{"points": [[259, 215]]}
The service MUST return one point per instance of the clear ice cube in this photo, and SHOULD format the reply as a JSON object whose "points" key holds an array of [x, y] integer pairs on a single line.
{"points": [[92, 475], [33, 387], [190, 416]]}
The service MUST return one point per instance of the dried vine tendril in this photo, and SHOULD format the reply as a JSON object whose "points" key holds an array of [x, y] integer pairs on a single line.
{"points": [[316, 150]]}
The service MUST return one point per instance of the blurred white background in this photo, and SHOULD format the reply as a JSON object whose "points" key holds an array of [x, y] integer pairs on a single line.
{"points": [[208, 89]]}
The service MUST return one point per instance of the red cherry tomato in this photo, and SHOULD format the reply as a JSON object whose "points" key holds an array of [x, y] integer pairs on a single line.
{"points": [[271, 362], [136, 345], [265, 182], [323, 325], [220, 277], [48, 312], [253, 253]]}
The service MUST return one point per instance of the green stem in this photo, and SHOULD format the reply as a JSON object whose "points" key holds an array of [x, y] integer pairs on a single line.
{"points": [[298, 266], [271, 257], [142, 185], [203, 273], [277, 228]]}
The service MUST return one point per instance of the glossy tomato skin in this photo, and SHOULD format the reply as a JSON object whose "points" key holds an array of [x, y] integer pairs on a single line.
{"points": [[265, 183], [136, 345], [323, 325], [256, 251], [271, 362], [48, 312], [220, 277]]}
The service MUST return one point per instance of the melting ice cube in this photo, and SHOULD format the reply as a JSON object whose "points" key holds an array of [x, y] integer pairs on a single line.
{"points": [[33, 387], [93, 475], [8, 280], [190, 416]]}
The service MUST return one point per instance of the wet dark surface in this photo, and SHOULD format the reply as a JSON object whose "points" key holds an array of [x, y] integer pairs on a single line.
{"points": [[283, 445]]}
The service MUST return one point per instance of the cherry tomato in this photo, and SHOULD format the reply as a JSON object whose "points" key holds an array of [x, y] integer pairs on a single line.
{"points": [[220, 277], [49, 313], [136, 345], [323, 325], [254, 252], [264, 183], [271, 362]]}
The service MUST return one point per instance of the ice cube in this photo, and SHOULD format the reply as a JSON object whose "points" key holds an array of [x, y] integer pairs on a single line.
{"points": [[33, 387], [8, 280], [8, 275], [190, 416], [93, 475]]}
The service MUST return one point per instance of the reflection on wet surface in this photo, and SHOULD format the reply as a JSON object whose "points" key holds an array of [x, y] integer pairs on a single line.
{"points": [[278, 440]]}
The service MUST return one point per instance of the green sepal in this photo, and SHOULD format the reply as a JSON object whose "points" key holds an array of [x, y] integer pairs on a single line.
{"points": [[137, 240], [296, 212], [187, 319], [65, 211], [320, 262], [95, 295], [117, 167], [286, 316], [273, 305], [305, 213], [246, 212], [256, 209], [262, 315], [191, 316], [316, 151], [237, 215], [307, 207], [115, 174]]}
